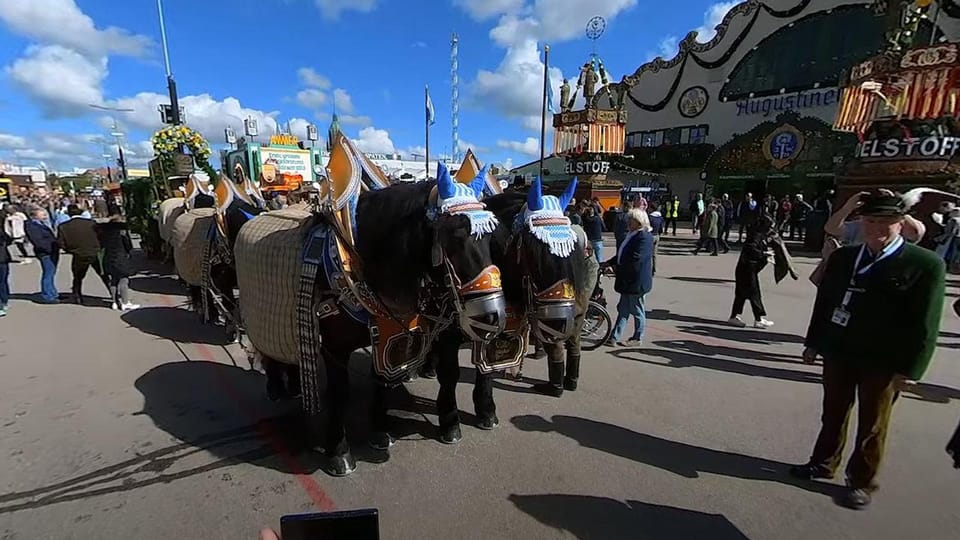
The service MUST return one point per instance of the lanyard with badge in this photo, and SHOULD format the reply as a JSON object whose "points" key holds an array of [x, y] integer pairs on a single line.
{"points": [[841, 315]]}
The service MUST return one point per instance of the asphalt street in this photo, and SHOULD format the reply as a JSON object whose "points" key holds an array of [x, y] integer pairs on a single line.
{"points": [[146, 425]]}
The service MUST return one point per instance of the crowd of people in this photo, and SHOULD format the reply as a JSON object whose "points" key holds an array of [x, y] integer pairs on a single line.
{"points": [[51, 226]]}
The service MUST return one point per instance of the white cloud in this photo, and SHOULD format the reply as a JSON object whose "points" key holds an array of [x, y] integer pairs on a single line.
{"points": [[374, 141], [203, 113], [515, 88], [331, 9], [355, 120], [12, 142], [507, 164], [414, 152], [310, 78], [311, 98], [463, 146], [712, 18], [61, 80], [60, 22], [482, 10], [530, 147], [667, 48], [342, 101], [550, 20]]}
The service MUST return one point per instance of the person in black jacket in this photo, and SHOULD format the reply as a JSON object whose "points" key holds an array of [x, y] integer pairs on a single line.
{"points": [[5, 241], [47, 249], [753, 259], [593, 226], [116, 244], [78, 237]]}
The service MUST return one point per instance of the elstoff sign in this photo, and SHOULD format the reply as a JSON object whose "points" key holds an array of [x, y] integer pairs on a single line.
{"points": [[911, 148], [586, 167]]}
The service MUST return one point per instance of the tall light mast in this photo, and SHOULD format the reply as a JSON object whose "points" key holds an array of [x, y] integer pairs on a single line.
{"points": [[455, 97]]}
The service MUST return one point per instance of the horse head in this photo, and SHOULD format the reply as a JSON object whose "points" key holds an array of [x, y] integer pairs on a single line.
{"points": [[462, 228], [535, 245]]}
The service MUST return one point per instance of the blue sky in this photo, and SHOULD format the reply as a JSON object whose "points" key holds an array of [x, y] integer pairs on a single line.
{"points": [[292, 60]]}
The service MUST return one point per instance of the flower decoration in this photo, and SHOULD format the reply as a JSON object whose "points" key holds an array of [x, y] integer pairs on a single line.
{"points": [[170, 141]]}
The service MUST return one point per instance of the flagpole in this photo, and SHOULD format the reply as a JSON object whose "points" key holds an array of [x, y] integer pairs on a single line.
{"points": [[426, 128], [543, 109]]}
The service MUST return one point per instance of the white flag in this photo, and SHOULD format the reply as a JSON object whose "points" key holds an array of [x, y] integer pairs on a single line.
{"points": [[430, 116]]}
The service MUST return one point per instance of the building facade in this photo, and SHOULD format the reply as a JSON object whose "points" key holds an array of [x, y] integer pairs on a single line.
{"points": [[752, 109]]}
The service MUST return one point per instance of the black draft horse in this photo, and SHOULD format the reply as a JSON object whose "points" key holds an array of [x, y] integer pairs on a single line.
{"points": [[398, 244], [531, 277]]}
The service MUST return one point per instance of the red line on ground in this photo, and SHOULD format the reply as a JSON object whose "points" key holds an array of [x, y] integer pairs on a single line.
{"points": [[320, 499]]}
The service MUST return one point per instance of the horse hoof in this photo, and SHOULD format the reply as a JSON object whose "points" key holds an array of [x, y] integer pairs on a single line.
{"points": [[381, 440], [340, 466], [488, 423], [451, 435], [428, 373]]}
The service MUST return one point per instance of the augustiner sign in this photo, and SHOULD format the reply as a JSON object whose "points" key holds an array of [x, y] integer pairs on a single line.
{"points": [[934, 147]]}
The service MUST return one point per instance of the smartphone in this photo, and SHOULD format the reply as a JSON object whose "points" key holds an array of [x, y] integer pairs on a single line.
{"points": [[347, 525]]}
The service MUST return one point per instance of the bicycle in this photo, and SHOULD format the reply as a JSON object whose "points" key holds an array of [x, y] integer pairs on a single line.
{"points": [[597, 325]]}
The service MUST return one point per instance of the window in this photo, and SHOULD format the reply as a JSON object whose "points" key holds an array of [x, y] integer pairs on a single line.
{"points": [[672, 137], [815, 49]]}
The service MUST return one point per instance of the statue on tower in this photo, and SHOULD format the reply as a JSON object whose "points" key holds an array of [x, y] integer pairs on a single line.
{"points": [[565, 101], [588, 79]]}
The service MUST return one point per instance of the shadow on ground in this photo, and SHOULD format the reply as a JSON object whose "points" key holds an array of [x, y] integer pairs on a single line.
{"points": [[158, 284], [176, 324], [600, 518], [679, 359], [764, 337], [679, 458], [713, 281]]}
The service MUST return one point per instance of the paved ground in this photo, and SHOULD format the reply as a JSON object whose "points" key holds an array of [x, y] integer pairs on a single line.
{"points": [[145, 426]]}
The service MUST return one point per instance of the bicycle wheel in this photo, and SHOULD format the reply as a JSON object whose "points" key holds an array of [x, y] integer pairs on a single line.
{"points": [[597, 327]]}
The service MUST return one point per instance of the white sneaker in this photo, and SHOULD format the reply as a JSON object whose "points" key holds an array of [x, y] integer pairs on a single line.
{"points": [[127, 307], [26, 261], [738, 322], [114, 306], [763, 323]]}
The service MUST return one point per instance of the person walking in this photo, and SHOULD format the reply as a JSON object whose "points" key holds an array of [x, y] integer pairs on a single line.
{"points": [[672, 213], [746, 215], [620, 227], [753, 259], [5, 241], [784, 211], [798, 217], [723, 226], [656, 229], [633, 266], [863, 289], [593, 226], [697, 209], [709, 231], [47, 249], [78, 237], [564, 369], [13, 225], [115, 240], [728, 214]]}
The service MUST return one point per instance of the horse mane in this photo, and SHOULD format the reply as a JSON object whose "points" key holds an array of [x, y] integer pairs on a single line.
{"points": [[394, 240]]}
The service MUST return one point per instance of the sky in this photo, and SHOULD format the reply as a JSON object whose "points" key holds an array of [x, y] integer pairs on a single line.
{"points": [[293, 62]]}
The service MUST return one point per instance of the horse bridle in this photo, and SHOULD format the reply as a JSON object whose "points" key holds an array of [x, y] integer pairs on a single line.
{"points": [[554, 303], [481, 296]]}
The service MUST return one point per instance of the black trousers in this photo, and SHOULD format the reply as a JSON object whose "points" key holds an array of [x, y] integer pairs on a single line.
{"points": [[798, 227], [710, 244], [79, 267], [670, 222], [747, 288]]}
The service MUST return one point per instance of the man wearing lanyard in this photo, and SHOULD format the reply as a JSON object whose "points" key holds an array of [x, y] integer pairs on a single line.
{"points": [[867, 293]]}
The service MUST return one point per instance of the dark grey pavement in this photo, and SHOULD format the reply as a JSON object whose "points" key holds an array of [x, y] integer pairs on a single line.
{"points": [[146, 425]]}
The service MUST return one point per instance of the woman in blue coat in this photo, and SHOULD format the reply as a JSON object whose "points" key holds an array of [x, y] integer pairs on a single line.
{"points": [[633, 265]]}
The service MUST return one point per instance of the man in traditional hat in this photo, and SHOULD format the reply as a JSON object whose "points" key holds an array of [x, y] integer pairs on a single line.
{"points": [[884, 284]]}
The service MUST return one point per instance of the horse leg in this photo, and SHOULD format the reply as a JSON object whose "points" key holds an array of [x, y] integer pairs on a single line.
{"points": [[448, 374], [276, 389], [483, 403], [380, 438], [339, 460]]}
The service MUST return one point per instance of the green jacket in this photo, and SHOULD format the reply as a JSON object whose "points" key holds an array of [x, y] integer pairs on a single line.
{"points": [[894, 323]]}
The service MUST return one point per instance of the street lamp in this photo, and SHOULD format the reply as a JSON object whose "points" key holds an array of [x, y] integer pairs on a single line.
{"points": [[116, 134], [171, 84]]}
